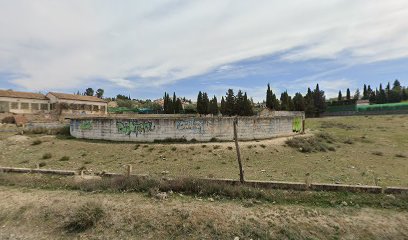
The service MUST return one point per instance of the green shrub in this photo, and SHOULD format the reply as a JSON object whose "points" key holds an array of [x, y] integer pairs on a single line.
{"points": [[47, 156], [85, 217], [173, 149]]}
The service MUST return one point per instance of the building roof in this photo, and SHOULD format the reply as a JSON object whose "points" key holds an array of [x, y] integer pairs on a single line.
{"points": [[67, 96], [28, 95]]}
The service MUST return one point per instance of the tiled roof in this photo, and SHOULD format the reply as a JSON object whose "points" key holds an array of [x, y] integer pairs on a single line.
{"points": [[15, 94], [76, 97]]}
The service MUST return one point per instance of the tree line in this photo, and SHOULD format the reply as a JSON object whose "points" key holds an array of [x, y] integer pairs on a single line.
{"points": [[389, 94], [313, 103]]}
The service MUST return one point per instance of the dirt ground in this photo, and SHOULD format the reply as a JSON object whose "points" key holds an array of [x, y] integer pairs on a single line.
{"points": [[42, 214], [367, 150]]}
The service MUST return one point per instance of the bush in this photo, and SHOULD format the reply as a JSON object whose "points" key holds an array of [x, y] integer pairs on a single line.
{"points": [[318, 143], [36, 142], [42, 164], [47, 156], [9, 119], [64, 158], [85, 217], [400, 155], [213, 139], [173, 149]]}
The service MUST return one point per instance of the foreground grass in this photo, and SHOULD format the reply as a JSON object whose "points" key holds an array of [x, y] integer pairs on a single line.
{"points": [[364, 150], [199, 188], [38, 207]]}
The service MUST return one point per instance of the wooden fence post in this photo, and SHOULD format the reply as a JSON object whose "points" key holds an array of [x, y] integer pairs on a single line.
{"points": [[128, 170], [241, 171]]}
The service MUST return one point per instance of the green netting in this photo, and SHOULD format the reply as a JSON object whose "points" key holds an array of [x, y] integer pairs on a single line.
{"points": [[383, 107]]}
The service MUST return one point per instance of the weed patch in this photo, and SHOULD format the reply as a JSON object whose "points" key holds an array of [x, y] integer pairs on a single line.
{"points": [[85, 217], [318, 143], [36, 142], [46, 156], [64, 158]]}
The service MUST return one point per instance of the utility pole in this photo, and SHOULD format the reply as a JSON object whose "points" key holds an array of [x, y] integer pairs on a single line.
{"points": [[241, 172]]}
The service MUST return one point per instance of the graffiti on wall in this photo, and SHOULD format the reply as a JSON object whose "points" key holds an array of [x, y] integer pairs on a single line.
{"points": [[190, 124], [297, 124], [85, 125], [133, 126]]}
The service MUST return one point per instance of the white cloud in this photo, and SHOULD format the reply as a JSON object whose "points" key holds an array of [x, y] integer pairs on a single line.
{"points": [[62, 44]]}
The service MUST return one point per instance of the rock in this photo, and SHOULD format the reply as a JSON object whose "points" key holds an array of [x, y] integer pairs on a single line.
{"points": [[344, 203], [161, 195], [337, 182], [236, 238], [211, 199], [263, 170], [165, 172], [390, 196]]}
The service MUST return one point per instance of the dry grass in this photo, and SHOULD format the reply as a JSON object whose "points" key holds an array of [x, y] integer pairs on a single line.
{"points": [[341, 162], [43, 214]]}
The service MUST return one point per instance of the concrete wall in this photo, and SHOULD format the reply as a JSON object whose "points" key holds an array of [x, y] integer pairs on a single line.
{"points": [[198, 128]]}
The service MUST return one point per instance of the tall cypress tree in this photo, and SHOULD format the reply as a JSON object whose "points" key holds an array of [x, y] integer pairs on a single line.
{"points": [[206, 103], [348, 95], [269, 100], [200, 107], [340, 96], [365, 93]]}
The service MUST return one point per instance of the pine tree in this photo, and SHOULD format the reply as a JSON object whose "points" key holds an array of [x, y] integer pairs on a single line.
{"points": [[239, 104], [372, 97], [223, 106], [214, 106], [340, 97], [356, 94], [404, 95], [309, 104], [298, 102], [348, 95], [179, 106], [319, 101], [230, 103]]}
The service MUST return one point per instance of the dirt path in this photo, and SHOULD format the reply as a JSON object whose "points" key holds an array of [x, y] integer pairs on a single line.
{"points": [[41, 214]]}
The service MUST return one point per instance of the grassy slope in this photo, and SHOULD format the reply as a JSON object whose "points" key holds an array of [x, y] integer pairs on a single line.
{"points": [[42, 214], [375, 141]]}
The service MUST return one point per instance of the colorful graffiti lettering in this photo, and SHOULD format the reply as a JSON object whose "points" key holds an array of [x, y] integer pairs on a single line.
{"points": [[191, 124], [297, 124], [135, 127], [86, 125]]}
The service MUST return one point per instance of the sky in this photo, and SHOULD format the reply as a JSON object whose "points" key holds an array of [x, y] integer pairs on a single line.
{"points": [[143, 48]]}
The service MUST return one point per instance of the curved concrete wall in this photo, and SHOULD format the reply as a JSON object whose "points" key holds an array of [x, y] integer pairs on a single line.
{"points": [[198, 128]]}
